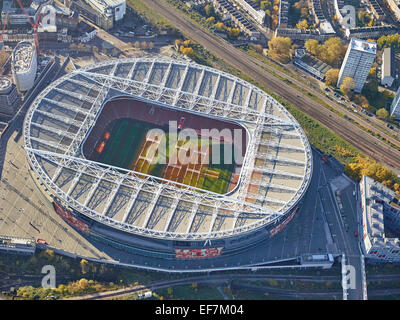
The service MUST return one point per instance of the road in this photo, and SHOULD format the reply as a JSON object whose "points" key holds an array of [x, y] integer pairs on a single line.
{"points": [[368, 144], [342, 223]]}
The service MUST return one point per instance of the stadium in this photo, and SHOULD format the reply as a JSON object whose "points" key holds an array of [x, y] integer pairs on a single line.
{"points": [[88, 138]]}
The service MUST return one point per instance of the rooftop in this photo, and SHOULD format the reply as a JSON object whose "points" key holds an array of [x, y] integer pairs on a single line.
{"points": [[22, 56], [362, 45], [387, 69], [4, 83], [107, 3], [376, 195]]}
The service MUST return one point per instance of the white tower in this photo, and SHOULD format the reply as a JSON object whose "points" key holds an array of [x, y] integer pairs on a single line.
{"points": [[357, 62]]}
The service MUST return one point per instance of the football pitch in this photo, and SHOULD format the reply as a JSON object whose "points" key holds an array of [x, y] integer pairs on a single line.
{"points": [[127, 146]]}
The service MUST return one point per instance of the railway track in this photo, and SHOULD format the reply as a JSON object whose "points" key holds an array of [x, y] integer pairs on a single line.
{"points": [[368, 144]]}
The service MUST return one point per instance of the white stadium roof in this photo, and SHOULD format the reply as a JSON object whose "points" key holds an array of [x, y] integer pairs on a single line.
{"points": [[275, 174]]}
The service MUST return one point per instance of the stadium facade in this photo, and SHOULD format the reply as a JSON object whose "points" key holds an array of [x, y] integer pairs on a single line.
{"points": [[150, 215]]}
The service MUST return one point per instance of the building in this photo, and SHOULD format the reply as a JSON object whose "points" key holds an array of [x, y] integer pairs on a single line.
{"points": [[196, 4], [14, 15], [228, 10], [338, 6], [115, 8], [283, 18], [376, 10], [87, 32], [395, 8], [395, 106], [299, 34], [326, 27], [17, 245], [24, 65], [380, 221], [388, 68], [104, 20], [155, 216], [253, 9], [9, 97], [370, 32], [64, 18], [310, 64], [317, 12], [357, 62]]}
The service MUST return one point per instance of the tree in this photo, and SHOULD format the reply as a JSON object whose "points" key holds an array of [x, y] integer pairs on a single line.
{"points": [[188, 52], [209, 10], [347, 86], [211, 20], [233, 33], [220, 26], [280, 48], [382, 114], [143, 45], [331, 52], [302, 25], [361, 100], [331, 77], [151, 45], [312, 46], [136, 44], [83, 284]]}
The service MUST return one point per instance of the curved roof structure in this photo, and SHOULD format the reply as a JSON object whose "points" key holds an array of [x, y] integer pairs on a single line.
{"points": [[275, 174]]}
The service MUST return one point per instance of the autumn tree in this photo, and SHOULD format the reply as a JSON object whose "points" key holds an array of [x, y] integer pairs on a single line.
{"points": [[136, 44], [366, 166], [312, 46], [187, 51], [211, 20], [361, 100], [347, 86], [382, 114], [302, 24], [331, 77], [233, 33], [220, 26], [331, 52], [280, 48]]}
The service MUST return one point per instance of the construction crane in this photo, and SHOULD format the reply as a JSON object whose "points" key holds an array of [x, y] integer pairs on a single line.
{"points": [[2, 32], [34, 25]]}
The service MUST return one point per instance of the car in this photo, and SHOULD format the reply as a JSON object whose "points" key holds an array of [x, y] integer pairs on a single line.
{"points": [[390, 126], [324, 159], [356, 234], [41, 241]]}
